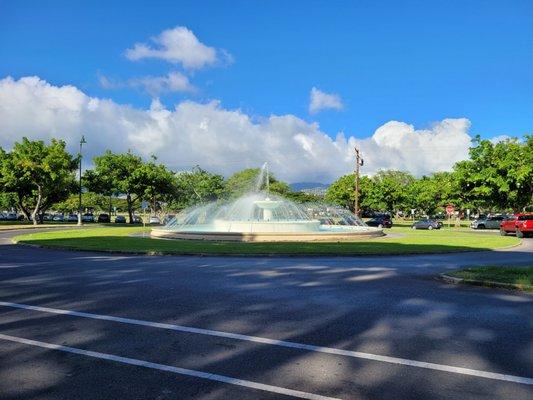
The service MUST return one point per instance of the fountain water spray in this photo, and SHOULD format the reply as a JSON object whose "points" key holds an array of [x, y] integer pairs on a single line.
{"points": [[263, 216]]}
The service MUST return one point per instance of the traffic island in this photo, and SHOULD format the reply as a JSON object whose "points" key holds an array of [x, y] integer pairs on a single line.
{"points": [[505, 277]]}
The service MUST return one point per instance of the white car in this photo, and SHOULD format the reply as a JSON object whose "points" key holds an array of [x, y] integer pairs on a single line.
{"points": [[155, 220]]}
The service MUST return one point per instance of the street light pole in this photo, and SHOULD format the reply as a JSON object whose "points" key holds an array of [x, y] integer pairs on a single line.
{"points": [[82, 141], [358, 163]]}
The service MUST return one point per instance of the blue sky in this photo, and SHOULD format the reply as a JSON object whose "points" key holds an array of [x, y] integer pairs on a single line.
{"points": [[414, 61]]}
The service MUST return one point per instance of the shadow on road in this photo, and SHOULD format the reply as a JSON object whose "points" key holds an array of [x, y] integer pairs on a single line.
{"points": [[342, 304]]}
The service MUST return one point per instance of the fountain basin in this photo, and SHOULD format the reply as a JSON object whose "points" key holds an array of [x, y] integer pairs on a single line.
{"points": [[267, 232]]}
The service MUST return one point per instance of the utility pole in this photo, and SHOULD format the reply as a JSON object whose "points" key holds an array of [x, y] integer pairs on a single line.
{"points": [[358, 163], [82, 141]]}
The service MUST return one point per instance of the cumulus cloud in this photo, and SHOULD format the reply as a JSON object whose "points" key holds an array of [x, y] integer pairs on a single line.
{"points": [[219, 139], [179, 46], [154, 85], [320, 100]]}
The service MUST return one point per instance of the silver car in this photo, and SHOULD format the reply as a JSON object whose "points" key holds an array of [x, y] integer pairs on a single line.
{"points": [[492, 222]]}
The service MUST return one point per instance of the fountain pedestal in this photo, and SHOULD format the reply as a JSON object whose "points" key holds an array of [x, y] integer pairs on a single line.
{"points": [[267, 206]]}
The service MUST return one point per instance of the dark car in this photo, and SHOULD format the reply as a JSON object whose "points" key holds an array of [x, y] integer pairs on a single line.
{"points": [[380, 222], [87, 217], [120, 219], [137, 219], [72, 218], [102, 218], [426, 224], [368, 214]]}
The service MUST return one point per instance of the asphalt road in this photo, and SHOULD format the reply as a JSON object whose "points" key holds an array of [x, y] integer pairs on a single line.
{"points": [[350, 328]]}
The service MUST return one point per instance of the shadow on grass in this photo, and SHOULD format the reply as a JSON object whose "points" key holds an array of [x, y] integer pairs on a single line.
{"points": [[160, 246]]}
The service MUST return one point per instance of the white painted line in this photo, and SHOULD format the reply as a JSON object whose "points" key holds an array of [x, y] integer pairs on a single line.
{"points": [[169, 368], [283, 343]]}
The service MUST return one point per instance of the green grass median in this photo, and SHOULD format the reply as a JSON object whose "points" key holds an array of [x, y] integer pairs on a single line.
{"points": [[401, 241], [520, 278]]}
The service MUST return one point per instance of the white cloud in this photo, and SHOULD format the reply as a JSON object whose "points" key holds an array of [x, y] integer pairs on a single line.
{"points": [[179, 46], [218, 139], [319, 101], [154, 85]]}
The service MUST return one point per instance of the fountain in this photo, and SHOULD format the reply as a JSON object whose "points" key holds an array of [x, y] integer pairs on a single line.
{"points": [[263, 216]]}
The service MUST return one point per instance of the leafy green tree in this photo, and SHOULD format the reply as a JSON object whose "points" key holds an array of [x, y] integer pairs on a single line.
{"points": [[90, 200], [423, 194], [38, 175], [8, 201], [155, 183], [129, 175], [342, 192], [246, 180], [497, 176], [391, 189], [197, 186], [102, 186]]}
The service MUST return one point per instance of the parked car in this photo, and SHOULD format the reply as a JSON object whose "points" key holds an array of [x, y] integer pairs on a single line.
{"points": [[72, 218], [426, 224], [120, 219], [87, 217], [137, 219], [380, 222], [154, 220], [58, 218], [102, 218], [2, 217], [368, 214], [11, 216], [492, 222], [519, 224]]}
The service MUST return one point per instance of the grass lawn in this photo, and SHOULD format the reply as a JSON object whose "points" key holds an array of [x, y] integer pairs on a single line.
{"points": [[408, 241], [521, 277]]}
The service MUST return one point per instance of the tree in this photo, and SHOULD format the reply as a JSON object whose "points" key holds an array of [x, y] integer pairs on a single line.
{"points": [[497, 176], [391, 189], [342, 192], [155, 183], [197, 186], [129, 175], [248, 180], [38, 175], [90, 200], [99, 184], [8, 201]]}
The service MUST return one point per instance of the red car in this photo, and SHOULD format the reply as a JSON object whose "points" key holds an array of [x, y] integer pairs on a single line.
{"points": [[521, 224]]}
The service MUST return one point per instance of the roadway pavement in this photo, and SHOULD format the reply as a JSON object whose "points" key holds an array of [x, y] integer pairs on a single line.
{"points": [[138, 327]]}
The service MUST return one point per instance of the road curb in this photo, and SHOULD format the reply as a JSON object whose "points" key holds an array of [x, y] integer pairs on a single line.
{"points": [[497, 285]]}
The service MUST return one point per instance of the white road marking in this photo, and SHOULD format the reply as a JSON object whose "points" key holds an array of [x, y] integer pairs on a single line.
{"points": [[169, 368], [283, 343]]}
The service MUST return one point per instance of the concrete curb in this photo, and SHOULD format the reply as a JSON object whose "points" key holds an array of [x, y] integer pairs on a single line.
{"points": [[497, 285]]}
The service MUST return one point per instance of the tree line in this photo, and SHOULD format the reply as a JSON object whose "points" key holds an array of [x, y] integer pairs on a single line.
{"points": [[496, 177], [36, 177]]}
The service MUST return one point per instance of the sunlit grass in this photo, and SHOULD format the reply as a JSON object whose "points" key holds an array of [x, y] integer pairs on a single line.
{"points": [[522, 277], [406, 241]]}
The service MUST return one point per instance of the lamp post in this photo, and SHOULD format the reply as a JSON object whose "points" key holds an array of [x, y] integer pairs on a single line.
{"points": [[358, 163], [82, 141]]}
